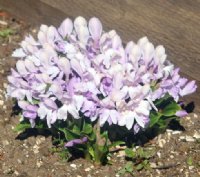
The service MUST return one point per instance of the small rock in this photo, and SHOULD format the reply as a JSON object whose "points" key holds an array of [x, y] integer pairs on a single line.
{"points": [[19, 161], [182, 137], [191, 167], [169, 130], [189, 138], [79, 176], [1, 102], [35, 149], [171, 156], [39, 163], [3, 23], [16, 173], [5, 142], [159, 154], [121, 154], [195, 116], [176, 132], [87, 169], [153, 165], [161, 143], [5, 85], [196, 135], [73, 165]]}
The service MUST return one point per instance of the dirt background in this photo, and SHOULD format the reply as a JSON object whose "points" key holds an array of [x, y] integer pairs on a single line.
{"points": [[32, 157]]}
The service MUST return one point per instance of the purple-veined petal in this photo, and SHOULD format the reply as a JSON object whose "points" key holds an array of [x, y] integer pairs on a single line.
{"points": [[50, 103], [181, 113], [21, 67], [95, 28], [66, 27], [30, 115], [189, 88]]}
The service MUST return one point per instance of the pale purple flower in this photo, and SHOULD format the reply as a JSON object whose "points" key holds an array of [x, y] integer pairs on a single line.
{"points": [[75, 142], [80, 68]]}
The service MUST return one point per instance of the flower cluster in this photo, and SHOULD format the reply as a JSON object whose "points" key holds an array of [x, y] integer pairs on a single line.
{"points": [[79, 69]]}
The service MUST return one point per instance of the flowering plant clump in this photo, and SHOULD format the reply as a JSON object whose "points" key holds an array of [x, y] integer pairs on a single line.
{"points": [[85, 85]]}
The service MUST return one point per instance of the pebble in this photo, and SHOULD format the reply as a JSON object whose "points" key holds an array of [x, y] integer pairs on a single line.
{"points": [[171, 156], [159, 154], [153, 165], [73, 165], [78, 176], [39, 163], [16, 173], [121, 154], [35, 149], [196, 135], [169, 130], [176, 132], [3, 23], [161, 143], [1, 102], [40, 140], [5, 142], [191, 167], [189, 138], [87, 169], [195, 116], [188, 118], [19, 161], [182, 138], [5, 85]]}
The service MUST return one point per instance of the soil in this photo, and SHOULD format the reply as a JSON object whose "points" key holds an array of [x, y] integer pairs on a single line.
{"points": [[177, 151]]}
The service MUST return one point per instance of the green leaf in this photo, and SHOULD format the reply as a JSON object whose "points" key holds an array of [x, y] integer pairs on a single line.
{"points": [[36, 101], [91, 151], [130, 153], [6, 32], [22, 127], [69, 135], [76, 129], [87, 128], [154, 118], [190, 161], [116, 143], [162, 100], [129, 167], [171, 109], [140, 166]]}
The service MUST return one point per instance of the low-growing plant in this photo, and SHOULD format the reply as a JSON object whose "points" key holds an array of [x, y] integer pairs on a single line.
{"points": [[91, 91], [137, 160], [5, 33]]}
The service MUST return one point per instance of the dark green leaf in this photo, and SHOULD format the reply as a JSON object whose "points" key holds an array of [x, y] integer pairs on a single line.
{"points": [[69, 135], [171, 109], [154, 118], [87, 128]]}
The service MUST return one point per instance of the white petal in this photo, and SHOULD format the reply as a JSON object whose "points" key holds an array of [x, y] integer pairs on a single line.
{"points": [[73, 111], [19, 53]]}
